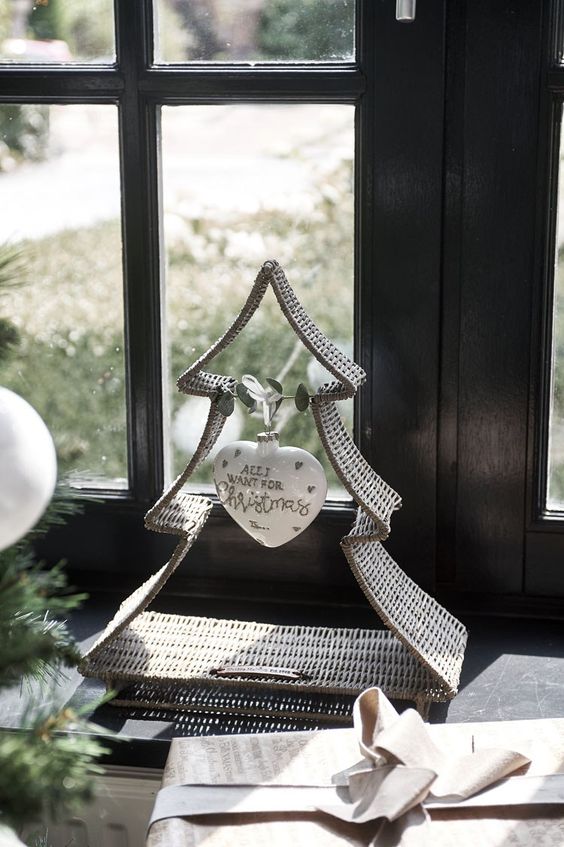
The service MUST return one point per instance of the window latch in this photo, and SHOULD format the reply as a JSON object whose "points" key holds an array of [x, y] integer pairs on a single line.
{"points": [[405, 11]]}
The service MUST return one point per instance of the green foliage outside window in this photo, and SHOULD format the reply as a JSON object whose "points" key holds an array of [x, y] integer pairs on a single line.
{"points": [[46, 20], [318, 29], [86, 27], [24, 130], [70, 357], [556, 475]]}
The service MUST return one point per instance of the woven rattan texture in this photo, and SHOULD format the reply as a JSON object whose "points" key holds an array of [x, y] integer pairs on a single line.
{"points": [[349, 375], [427, 630], [363, 484], [197, 511], [164, 648], [419, 656]]}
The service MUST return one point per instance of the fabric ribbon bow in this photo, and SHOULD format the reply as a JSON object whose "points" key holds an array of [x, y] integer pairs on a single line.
{"points": [[269, 397], [403, 768]]}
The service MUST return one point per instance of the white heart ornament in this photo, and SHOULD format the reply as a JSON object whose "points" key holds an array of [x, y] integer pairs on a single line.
{"points": [[272, 492]]}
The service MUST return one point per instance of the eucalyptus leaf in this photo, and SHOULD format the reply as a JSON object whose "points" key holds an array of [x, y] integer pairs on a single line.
{"points": [[302, 398], [244, 396], [278, 404], [254, 387], [226, 403], [275, 384]]}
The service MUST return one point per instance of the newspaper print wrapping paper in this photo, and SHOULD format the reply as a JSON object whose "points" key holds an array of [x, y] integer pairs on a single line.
{"points": [[257, 767]]}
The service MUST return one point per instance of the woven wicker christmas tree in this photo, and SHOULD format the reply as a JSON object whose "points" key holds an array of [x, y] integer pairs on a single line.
{"points": [[206, 664]]}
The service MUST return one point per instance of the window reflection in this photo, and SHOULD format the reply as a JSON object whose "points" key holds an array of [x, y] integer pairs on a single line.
{"points": [[59, 182], [555, 493], [254, 30], [56, 31], [243, 184]]}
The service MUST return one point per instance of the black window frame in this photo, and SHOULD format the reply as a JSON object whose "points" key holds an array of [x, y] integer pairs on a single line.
{"points": [[457, 144], [457, 126], [545, 530], [395, 108]]}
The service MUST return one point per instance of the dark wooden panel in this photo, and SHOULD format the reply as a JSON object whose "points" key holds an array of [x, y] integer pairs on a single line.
{"points": [[400, 213], [452, 257], [499, 98], [110, 540], [544, 573]]}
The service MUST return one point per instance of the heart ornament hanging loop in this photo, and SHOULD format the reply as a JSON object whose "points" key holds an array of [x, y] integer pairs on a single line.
{"points": [[272, 492]]}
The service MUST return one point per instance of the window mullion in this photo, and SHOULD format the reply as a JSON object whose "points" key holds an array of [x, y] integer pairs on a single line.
{"points": [[58, 84], [140, 209], [273, 84]]}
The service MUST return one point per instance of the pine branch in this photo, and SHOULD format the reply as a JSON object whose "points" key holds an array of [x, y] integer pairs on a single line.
{"points": [[33, 641], [13, 268], [35, 648], [64, 504], [26, 585], [9, 338], [47, 768]]}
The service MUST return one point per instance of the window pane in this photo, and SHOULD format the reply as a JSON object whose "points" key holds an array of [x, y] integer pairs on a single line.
{"points": [[243, 184], [555, 494], [55, 31], [254, 30], [59, 182]]}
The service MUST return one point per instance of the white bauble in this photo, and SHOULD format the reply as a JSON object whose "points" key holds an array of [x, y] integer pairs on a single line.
{"points": [[28, 467], [8, 837]]}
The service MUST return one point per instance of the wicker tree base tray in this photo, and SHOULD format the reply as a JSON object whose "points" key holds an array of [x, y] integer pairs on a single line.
{"points": [[169, 660], [166, 650]]}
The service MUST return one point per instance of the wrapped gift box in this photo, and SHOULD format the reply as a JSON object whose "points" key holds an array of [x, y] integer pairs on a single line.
{"points": [[312, 758]]}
